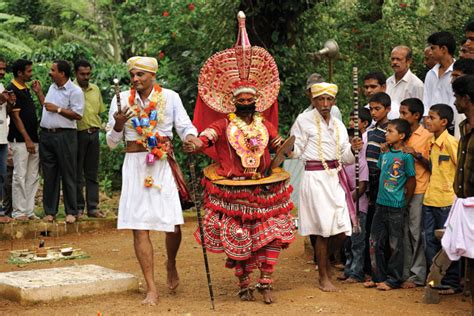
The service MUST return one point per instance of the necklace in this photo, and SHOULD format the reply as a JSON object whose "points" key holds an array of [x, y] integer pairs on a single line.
{"points": [[250, 131], [319, 146], [144, 122]]}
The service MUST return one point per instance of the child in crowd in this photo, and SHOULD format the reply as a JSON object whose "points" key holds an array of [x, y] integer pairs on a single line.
{"points": [[354, 268], [379, 106], [414, 271], [396, 187], [440, 193]]}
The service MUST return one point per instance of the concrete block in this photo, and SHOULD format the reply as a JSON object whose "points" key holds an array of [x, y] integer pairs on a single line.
{"points": [[42, 285]]}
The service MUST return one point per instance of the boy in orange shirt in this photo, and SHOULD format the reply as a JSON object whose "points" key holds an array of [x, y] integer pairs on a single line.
{"points": [[414, 263]]}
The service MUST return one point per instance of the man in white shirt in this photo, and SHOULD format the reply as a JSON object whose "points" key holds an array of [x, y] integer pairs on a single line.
{"points": [[5, 100], [438, 80], [403, 84], [323, 144], [149, 199]]}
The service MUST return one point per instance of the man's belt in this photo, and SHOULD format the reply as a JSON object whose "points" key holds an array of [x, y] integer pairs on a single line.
{"points": [[91, 130], [57, 130], [315, 165], [134, 147]]}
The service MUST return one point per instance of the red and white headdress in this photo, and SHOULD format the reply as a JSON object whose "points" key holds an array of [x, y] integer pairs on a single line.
{"points": [[242, 68]]}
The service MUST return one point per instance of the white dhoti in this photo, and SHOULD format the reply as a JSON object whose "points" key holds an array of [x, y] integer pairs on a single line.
{"points": [[151, 208], [458, 239], [323, 208]]}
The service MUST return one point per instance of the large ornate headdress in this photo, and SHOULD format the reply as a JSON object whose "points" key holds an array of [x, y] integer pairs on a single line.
{"points": [[242, 68]]}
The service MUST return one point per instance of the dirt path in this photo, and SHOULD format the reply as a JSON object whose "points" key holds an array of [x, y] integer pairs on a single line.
{"points": [[295, 285]]}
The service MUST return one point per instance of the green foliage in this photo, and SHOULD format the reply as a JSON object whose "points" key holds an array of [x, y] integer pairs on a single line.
{"points": [[182, 34]]}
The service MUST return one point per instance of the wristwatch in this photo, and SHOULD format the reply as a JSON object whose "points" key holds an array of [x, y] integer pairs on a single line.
{"points": [[58, 110]]}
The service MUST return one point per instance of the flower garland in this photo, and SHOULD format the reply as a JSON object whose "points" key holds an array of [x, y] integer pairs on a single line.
{"points": [[251, 133], [144, 123], [319, 146]]}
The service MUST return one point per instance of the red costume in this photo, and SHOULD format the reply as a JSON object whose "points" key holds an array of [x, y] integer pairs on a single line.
{"points": [[247, 212]]}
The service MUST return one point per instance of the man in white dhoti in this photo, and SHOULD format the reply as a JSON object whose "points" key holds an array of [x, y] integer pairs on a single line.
{"points": [[150, 179], [326, 206]]}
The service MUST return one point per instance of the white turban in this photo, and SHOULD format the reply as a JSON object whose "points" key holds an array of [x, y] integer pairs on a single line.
{"points": [[148, 64], [323, 88]]}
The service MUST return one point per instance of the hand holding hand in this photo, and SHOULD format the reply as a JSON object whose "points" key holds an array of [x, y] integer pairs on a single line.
{"points": [[192, 144]]}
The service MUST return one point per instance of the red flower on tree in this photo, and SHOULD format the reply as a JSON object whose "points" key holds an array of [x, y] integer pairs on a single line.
{"points": [[403, 5], [165, 13], [161, 55], [191, 6]]}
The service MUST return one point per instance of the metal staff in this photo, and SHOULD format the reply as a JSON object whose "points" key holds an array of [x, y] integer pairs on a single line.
{"points": [[197, 203], [355, 85], [117, 95]]}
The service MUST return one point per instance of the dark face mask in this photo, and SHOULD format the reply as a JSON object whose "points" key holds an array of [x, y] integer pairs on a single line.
{"points": [[249, 108]]}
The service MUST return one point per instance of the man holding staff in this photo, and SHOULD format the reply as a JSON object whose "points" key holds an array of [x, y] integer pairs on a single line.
{"points": [[150, 183]]}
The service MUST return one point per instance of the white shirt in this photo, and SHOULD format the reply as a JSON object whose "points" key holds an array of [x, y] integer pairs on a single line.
{"points": [[438, 90], [410, 86], [175, 115], [306, 132], [3, 120], [69, 97]]}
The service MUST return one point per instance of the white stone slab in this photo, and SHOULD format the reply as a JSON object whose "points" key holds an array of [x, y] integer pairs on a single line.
{"points": [[54, 284]]}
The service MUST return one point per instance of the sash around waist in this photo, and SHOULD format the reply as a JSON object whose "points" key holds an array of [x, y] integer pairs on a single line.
{"points": [[315, 165]]}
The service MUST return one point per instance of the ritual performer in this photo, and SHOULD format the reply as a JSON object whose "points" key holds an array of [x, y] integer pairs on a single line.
{"points": [[247, 212], [326, 207], [150, 176]]}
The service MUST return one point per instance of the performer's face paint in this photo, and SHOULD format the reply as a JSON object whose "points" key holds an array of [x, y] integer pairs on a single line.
{"points": [[245, 103], [141, 80], [323, 103]]}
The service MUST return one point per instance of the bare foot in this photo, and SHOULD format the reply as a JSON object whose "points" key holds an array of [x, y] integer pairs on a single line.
{"points": [[267, 296], [151, 299], [370, 284], [327, 286], [246, 295], [408, 285], [384, 286], [70, 219], [341, 277], [350, 280], [48, 218], [172, 277]]}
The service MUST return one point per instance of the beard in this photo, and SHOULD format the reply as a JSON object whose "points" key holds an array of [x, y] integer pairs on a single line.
{"points": [[249, 108]]}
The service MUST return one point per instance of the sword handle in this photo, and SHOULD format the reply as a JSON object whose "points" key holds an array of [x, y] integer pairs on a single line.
{"points": [[117, 94]]}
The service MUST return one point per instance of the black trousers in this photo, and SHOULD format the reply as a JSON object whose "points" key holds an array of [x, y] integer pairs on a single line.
{"points": [[88, 153], [58, 157]]}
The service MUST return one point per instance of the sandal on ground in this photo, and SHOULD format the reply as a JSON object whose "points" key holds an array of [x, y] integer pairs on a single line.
{"points": [[449, 291], [22, 218]]}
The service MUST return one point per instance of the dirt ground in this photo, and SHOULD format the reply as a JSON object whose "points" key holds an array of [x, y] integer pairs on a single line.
{"points": [[294, 288]]}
